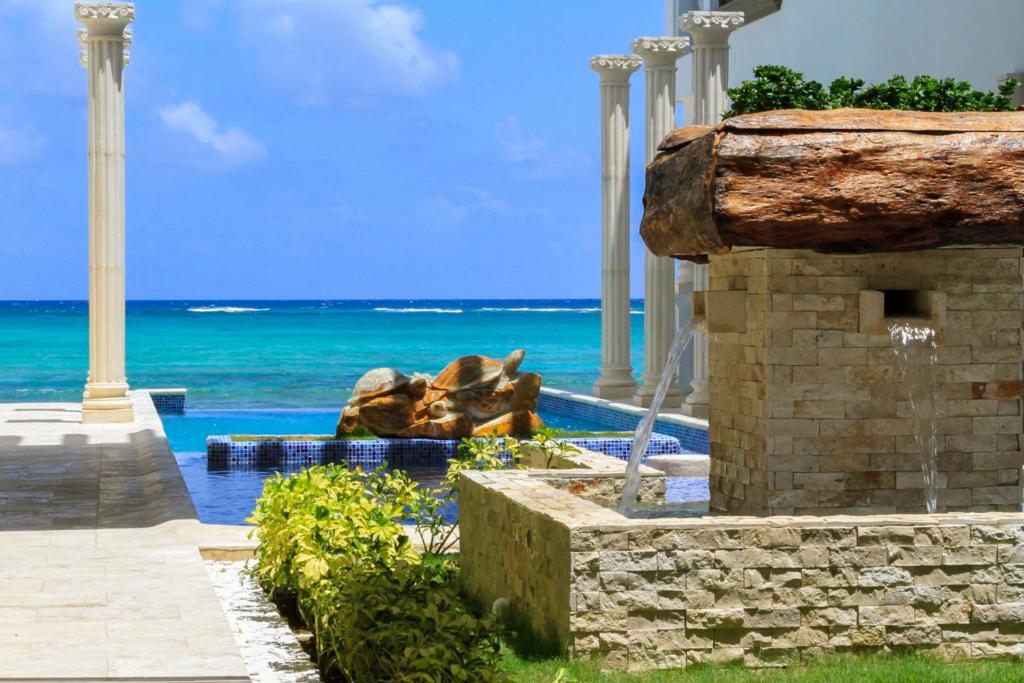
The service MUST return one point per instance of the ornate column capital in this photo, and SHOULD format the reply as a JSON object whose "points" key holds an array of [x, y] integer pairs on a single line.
{"points": [[710, 29], [661, 51], [615, 68], [104, 21]]}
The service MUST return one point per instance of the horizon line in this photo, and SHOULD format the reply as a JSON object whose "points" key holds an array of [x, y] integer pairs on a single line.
{"points": [[85, 301]]}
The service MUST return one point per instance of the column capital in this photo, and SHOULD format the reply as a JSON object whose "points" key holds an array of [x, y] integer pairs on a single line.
{"points": [[710, 29], [660, 51], [104, 21], [615, 67]]}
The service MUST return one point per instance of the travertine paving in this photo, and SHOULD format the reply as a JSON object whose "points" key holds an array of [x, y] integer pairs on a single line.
{"points": [[100, 567]]}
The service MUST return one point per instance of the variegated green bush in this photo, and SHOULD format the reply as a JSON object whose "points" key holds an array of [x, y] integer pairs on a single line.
{"points": [[331, 540]]}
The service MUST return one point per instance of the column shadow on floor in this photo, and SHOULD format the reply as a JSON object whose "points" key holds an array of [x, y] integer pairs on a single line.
{"points": [[81, 485]]}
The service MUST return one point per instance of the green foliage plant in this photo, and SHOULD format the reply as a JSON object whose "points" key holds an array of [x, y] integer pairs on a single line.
{"points": [[778, 87], [332, 540], [483, 453], [551, 447], [335, 542]]}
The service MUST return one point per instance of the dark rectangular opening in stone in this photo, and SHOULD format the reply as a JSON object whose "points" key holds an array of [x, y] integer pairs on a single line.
{"points": [[905, 303]]}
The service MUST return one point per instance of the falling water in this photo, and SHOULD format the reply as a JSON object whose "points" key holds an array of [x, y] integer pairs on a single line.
{"points": [[915, 353], [643, 430]]}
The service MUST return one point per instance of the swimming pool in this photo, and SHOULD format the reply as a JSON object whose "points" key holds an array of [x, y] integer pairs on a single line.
{"points": [[227, 495]]}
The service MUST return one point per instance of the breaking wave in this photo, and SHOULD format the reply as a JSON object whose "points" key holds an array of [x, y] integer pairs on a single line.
{"points": [[383, 309], [225, 309], [525, 309]]}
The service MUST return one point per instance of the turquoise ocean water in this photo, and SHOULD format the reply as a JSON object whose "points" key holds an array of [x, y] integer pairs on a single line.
{"points": [[297, 354]]}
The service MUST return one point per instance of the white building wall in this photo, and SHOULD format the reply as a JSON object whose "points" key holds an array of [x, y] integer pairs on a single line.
{"points": [[973, 40]]}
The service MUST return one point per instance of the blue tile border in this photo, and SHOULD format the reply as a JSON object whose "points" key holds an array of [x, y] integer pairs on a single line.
{"points": [[168, 401], [221, 451], [691, 439]]}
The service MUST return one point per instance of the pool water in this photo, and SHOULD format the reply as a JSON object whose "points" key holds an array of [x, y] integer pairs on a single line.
{"points": [[227, 496]]}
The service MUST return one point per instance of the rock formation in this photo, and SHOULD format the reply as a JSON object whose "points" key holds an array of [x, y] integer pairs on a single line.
{"points": [[843, 180], [471, 396]]}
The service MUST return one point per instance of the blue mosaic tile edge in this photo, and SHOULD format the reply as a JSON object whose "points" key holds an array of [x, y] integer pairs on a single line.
{"points": [[691, 439], [168, 404], [221, 451]]}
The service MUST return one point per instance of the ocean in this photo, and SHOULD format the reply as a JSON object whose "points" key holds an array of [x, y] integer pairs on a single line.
{"points": [[297, 354]]}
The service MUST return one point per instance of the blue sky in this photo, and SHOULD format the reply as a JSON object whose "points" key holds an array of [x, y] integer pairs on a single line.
{"points": [[323, 148]]}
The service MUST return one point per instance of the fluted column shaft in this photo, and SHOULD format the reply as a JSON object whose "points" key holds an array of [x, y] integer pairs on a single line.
{"points": [[616, 379], [659, 55], [104, 41], [709, 32]]}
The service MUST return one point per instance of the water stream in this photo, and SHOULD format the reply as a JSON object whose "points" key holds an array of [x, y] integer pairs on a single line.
{"points": [[915, 349], [643, 430]]}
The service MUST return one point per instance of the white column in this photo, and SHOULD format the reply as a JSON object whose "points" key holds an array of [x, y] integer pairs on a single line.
{"points": [[659, 55], [709, 32], [104, 40], [616, 380]]}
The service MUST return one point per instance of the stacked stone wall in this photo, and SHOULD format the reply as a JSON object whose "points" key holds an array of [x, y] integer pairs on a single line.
{"points": [[515, 553], [658, 593], [655, 598], [808, 411]]}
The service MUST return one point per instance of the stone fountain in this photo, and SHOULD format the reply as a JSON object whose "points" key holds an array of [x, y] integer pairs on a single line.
{"points": [[823, 232]]}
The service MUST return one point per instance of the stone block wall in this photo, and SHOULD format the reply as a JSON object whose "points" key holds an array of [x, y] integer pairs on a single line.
{"points": [[659, 593], [525, 549], [514, 553], [809, 414]]}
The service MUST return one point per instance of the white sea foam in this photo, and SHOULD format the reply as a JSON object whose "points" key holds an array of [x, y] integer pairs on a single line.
{"points": [[384, 309], [527, 309], [225, 309]]}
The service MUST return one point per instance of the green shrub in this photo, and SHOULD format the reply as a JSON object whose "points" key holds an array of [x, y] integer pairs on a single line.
{"points": [[778, 87], [409, 624], [483, 453], [551, 447], [330, 519], [332, 540]]}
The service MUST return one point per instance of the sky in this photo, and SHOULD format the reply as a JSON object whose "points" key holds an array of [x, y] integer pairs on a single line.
{"points": [[342, 149]]}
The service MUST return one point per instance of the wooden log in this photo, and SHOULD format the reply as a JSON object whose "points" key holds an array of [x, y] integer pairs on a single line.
{"points": [[844, 180]]}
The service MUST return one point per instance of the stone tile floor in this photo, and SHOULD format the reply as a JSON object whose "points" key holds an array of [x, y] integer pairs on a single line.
{"points": [[100, 568]]}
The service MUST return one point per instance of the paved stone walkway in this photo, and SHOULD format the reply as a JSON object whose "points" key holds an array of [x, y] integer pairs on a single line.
{"points": [[101, 575]]}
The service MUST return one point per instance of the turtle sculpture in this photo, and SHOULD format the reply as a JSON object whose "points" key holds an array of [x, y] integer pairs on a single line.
{"points": [[472, 396]]}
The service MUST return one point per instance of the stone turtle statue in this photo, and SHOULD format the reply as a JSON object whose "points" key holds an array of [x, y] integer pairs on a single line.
{"points": [[472, 396]]}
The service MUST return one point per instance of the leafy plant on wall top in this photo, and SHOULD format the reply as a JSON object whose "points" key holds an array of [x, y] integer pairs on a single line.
{"points": [[778, 87]]}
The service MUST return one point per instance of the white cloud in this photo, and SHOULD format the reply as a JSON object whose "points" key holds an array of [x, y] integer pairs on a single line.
{"points": [[38, 47], [354, 50], [19, 144], [460, 205], [531, 158], [230, 144]]}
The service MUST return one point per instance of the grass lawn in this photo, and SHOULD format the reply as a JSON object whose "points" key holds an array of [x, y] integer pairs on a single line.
{"points": [[865, 668]]}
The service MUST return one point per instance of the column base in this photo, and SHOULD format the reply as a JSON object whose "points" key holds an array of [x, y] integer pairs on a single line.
{"points": [[698, 410], [107, 415], [612, 387], [645, 396], [107, 403], [696, 404]]}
